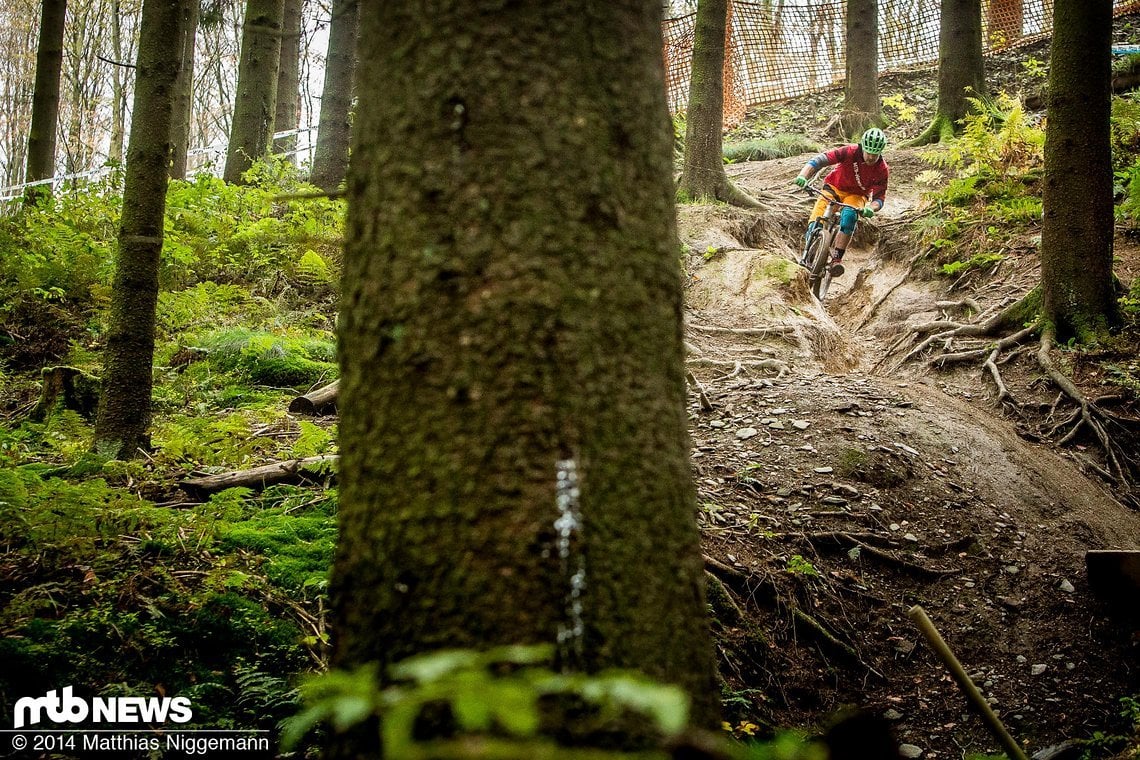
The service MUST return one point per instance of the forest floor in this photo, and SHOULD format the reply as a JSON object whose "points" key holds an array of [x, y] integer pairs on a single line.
{"points": [[839, 485]]}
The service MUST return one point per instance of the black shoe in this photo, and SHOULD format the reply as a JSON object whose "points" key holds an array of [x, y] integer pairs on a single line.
{"points": [[837, 270]]}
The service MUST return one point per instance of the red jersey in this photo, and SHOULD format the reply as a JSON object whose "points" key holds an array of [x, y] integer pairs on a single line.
{"points": [[854, 175]]}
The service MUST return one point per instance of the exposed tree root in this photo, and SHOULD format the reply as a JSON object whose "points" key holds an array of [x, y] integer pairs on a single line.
{"points": [[1091, 416], [882, 554], [1116, 435], [758, 332], [775, 365]]}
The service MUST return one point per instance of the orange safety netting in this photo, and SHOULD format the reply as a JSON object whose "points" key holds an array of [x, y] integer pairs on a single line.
{"points": [[778, 49]]}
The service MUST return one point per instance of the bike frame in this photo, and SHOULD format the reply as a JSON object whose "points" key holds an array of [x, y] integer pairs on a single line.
{"points": [[817, 249]]}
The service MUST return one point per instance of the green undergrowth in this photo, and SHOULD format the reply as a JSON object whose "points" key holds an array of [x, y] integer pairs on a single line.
{"points": [[220, 602], [990, 207], [230, 253]]}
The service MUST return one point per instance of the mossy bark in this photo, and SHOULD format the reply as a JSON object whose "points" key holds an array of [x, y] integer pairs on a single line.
{"points": [[703, 176], [123, 419], [861, 107], [961, 69], [1076, 234], [288, 114], [330, 158], [45, 99], [255, 105], [184, 90], [512, 301]]}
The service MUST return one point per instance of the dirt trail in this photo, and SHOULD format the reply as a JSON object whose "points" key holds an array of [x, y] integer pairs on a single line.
{"points": [[833, 499]]}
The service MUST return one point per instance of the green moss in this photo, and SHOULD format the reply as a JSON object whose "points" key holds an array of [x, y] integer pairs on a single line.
{"points": [[268, 359], [776, 269]]}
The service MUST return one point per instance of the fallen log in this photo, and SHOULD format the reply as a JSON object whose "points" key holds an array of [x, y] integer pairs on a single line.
{"points": [[317, 403], [310, 469]]}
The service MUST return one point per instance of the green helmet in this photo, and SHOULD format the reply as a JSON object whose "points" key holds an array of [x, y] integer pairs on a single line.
{"points": [[874, 141]]}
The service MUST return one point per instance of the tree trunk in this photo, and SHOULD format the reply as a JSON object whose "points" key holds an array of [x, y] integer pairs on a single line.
{"points": [[1076, 235], [513, 425], [123, 421], [45, 100], [330, 160], [255, 106], [288, 80], [1004, 20], [961, 70], [703, 177], [184, 91], [118, 94], [861, 96]]}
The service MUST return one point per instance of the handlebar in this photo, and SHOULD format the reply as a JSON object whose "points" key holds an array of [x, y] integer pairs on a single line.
{"points": [[813, 190]]}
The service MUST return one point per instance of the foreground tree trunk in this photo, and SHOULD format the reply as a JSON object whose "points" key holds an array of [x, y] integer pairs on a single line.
{"points": [[330, 159], [255, 106], [1076, 235], [122, 425], [513, 429], [45, 99], [288, 113], [184, 90], [703, 177], [961, 69], [861, 107]]}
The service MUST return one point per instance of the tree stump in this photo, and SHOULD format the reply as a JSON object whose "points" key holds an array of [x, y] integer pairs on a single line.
{"points": [[66, 388]]}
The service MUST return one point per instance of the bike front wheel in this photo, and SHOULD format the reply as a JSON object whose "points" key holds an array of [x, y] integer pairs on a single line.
{"points": [[817, 259]]}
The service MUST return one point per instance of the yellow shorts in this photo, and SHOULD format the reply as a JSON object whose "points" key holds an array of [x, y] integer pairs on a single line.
{"points": [[851, 199]]}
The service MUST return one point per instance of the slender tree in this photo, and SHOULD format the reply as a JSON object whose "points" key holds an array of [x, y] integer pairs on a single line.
{"points": [[1076, 234], [861, 94], [118, 91], [703, 175], [45, 99], [961, 70], [288, 79], [122, 424], [513, 411], [184, 90], [255, 107], [330, 159]]}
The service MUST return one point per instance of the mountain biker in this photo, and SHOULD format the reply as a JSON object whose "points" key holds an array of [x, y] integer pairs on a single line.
{"points": [[860, 173]]}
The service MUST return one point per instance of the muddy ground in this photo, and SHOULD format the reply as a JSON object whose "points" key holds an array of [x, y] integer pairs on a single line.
{"points": [[839, 487]]}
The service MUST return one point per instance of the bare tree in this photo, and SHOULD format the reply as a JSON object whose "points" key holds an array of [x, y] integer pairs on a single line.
{"points": [[330, 161], [18, 34], [703, 175], [861, 94], [180, 119], [961, 70], [1076, 234], [123, 419], [255, 106], [288, 79], [45, 101]]}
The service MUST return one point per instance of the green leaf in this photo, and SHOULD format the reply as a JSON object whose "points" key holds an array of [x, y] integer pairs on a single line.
{"points": [[515, 707], [425, 668]]}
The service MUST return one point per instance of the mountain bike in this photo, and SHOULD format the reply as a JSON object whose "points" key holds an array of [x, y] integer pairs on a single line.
{"points": [[820, 240]]}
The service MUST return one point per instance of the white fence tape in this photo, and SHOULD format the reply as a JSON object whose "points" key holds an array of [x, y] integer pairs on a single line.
{"points": [[15, 191]]}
